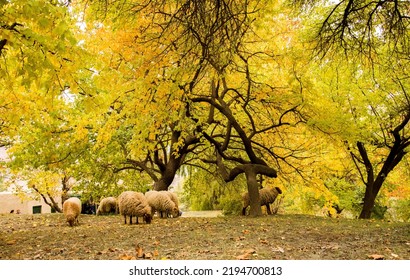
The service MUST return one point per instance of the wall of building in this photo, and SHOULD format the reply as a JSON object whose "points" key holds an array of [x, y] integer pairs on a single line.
{"points": [[10, 202]]}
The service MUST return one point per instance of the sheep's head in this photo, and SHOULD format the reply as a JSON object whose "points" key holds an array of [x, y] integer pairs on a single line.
{"points": [[71, 220], [175, 212], [147, 218]]}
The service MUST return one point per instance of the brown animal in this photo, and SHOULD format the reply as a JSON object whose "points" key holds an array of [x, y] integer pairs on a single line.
{"points": [[72, 210], [134, 204], [162, 203], [267, 196], [107, 205]]}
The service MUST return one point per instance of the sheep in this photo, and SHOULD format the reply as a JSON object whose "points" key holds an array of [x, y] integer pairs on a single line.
{"points": [[132, 203], [267, 197], [174, 198], [161, 202], [108, 205], [72, 210]]}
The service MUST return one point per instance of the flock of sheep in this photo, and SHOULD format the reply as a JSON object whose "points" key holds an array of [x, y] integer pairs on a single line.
{"points": [[164, 203], [129, 204]]}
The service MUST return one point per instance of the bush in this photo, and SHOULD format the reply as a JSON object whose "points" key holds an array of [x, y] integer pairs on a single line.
{"points": [[205, 191], [231, 203]]}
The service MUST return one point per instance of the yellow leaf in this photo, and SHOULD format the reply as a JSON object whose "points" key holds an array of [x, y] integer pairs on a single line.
{"points": [[376, 257]]}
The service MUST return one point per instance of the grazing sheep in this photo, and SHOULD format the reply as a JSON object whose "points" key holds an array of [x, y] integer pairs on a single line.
{"points": [[107, 205], [134, 204], [72, 210], [174, 198], [161, 202], [150, 193], [267, 196]]}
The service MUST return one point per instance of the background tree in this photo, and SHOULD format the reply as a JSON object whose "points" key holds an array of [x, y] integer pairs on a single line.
{"points": [[373, 35], [360, 26], [200, 49], [371, 114], [40, 61]]}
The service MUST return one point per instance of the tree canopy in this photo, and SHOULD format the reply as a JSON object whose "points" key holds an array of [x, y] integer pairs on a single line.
{"points": [[126, 94]]}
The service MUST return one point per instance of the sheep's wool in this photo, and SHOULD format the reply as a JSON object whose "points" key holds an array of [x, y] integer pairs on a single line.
{"points": [[72, 210], [107, 205], [161, 202], [267, 196], [133, 204]]}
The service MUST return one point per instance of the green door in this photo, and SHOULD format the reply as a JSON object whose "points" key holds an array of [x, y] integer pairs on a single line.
{"points": [[37, 209]]}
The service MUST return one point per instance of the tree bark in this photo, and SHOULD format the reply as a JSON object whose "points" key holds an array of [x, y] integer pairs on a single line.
{"points": [[374, 184], [175, 161], [251, 171], [253, 190], [48, 200], [368, 202], [166, 180], [66, 188]]}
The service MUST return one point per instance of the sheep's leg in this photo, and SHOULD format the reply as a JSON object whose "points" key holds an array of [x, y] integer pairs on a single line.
{"points": [[268, 209], [137, 219], [125, 219], [244, 211], [130, 219]]}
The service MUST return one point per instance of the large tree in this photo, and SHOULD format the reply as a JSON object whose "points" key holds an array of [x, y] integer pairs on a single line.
{"points": [[193, 69], [373, 38], [39, 62], [360, 26], [370, 114]]}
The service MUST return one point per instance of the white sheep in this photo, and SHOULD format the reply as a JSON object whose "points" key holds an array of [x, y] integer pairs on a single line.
{"points": [[267, 197], [72, 210], [132, 203], [161, 202], [107, 205]]}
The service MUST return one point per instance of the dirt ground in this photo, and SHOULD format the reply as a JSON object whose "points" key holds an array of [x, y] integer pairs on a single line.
{"points": [[287, 237]]}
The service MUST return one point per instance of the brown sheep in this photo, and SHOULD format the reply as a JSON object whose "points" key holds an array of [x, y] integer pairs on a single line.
{"points": [[134, 204], [72, 210], [161, 201], [267, 196], [107, 205]]}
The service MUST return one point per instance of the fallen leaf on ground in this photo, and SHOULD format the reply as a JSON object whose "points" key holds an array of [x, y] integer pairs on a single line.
{"points": [[250, 251], [243, 257], [278, 249], [148, 256], [246, 254], [140, 251], [127, 257], [376, 257]]}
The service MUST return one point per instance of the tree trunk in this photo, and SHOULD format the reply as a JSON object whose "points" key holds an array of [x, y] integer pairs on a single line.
{"points": [[46, 197], [163, 184], [368, 202], [251, 171], [54, 205], [168, 174], [66, 188], [254, 198]]}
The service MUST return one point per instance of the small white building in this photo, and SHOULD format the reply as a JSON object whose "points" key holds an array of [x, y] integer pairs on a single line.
{"points": [[10, 203]]}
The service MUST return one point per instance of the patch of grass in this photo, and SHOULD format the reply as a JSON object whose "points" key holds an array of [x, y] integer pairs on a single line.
{"points": [[295, 237]]}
